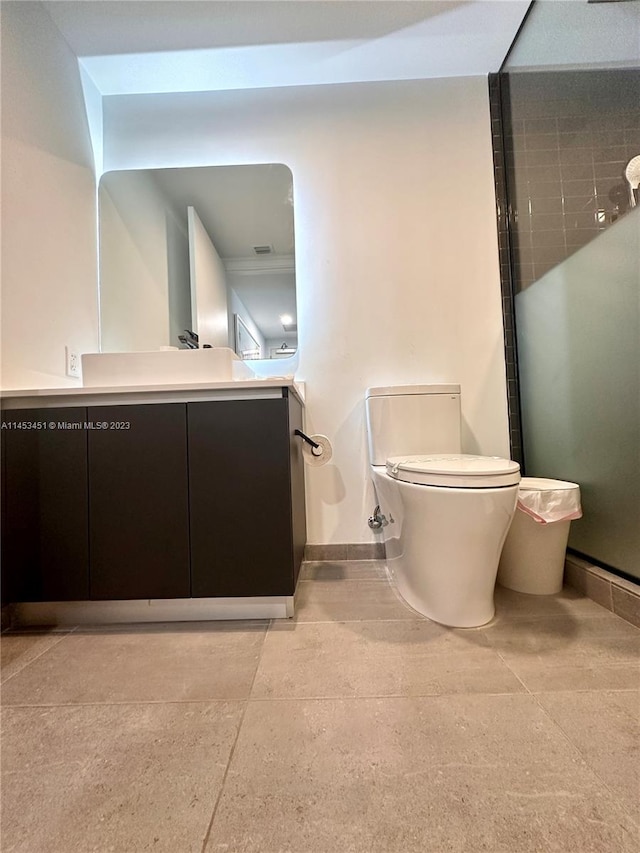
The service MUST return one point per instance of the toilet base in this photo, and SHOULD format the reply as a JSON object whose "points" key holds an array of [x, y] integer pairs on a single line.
{"points": [[447, 546], [460, 618]]}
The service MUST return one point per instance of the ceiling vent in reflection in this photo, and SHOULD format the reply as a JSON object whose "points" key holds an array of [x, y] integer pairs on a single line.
{"points": [[263, 250]]}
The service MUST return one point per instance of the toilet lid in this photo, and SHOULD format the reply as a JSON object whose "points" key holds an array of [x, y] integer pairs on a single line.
{"points": [[457, 470]]}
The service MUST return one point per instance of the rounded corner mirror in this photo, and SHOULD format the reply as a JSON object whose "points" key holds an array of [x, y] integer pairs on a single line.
{"points": [[199, 256]]}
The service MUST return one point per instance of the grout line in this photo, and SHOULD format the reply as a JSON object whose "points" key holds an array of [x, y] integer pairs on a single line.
{"points": [[511, 670], [207, 835], [420, 619], [333, 698], [555, 724], [371, 576], [614, 794], [346, 560], [417, 617], [126, 702], [569, 614], [587, 690], [360, 621], [342, 580], [380, 696], [63, 635]]}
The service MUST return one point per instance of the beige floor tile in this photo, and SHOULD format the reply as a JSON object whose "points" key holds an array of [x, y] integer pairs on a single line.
{"points": [[342, 600], [188, 661], [568, 602], [403, 658], [451, 773], [348, 570], [569, 653], [563, 640], [18, 650], [122, 779], [539, 678], [352, 772], [605, 727]]}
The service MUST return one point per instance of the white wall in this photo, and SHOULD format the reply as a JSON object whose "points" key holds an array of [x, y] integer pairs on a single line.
{"points": [[209, 303], [49, 293], [396, 247], [93, 107]]}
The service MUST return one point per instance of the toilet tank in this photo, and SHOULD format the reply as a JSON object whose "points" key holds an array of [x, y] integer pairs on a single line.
{"points": [[408, 420]]}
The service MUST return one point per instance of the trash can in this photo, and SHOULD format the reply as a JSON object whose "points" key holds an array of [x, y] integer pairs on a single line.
{"points": [[533, 555]]}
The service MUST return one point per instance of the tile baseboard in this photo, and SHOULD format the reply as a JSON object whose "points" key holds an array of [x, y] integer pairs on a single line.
{"points": [[618, 595], [353, 551]]}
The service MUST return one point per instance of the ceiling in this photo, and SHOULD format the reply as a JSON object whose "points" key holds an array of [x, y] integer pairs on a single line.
{"points": [[144, 46]]}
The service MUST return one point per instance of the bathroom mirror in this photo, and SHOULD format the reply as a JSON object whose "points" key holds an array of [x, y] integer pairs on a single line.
{"points": [[206, 249]]}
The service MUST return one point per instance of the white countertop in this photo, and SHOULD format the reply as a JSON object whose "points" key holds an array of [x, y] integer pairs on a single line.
{"points": [[243, 388]]}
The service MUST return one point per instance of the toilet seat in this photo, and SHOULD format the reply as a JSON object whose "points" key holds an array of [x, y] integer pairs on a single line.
{"points": [[454, 470]]}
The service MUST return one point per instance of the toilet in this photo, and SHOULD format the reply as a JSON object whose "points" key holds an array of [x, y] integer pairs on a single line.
{"points": [[445, 514]]}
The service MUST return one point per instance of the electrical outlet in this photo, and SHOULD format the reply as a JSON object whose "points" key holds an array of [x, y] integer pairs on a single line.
{"points": [[72, 362]]}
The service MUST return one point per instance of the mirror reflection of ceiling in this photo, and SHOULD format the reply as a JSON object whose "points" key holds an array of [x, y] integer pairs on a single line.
{"points": [[247, 214], [144, 46], [243, 207]]}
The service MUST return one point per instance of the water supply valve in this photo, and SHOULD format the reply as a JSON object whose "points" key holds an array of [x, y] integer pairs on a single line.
{"points": [[376, 521]]}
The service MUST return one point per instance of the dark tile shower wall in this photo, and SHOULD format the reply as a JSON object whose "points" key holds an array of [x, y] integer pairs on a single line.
{"points": [[568, 137], [515, 434], [561, 141]]}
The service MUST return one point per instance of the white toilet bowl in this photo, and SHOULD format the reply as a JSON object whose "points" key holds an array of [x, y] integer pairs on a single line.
{"points": [[443, 544], [446, 514]]}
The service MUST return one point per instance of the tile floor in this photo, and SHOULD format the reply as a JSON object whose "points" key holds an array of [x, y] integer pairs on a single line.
{"points": [[358, 726]]}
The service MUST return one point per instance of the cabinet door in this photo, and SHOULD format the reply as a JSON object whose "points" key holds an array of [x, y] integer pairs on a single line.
{"points": [[45, 554], [139, 523], [239, 486]]}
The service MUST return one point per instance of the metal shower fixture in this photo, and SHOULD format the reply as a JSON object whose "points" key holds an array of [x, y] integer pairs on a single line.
{"points": [[632, 174]]}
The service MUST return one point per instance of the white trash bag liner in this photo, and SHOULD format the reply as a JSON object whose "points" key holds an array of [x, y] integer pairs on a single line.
{"points": [[549, 500]]}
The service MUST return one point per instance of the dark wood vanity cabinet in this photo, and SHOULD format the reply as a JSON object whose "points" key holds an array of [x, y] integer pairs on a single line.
{"points": [[139, 510], [246, 496], [157, 500], [45, 542]]}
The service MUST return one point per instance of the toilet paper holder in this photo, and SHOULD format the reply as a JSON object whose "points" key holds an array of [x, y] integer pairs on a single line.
{"points": [[314, 444]]}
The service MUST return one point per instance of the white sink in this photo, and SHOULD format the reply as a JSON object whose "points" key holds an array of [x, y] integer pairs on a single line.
{"points": [[163, 367]]}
